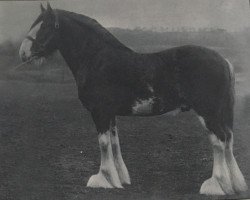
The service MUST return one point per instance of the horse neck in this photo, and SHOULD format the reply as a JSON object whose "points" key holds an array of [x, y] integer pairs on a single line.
{"points": [[71, 46], [80, 49]]}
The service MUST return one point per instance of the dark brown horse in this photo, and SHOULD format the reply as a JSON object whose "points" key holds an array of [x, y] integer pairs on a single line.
{"points": [[113, 80]]}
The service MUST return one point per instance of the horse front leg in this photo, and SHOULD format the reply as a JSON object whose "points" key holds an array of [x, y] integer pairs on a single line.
{"points": [[119, 163], [107, 177]]}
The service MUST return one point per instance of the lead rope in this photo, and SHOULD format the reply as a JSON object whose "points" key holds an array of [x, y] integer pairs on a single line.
{"points": [[21, 64]]}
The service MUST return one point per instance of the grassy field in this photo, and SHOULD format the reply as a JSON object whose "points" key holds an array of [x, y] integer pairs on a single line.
{"points": [[49, 149]]}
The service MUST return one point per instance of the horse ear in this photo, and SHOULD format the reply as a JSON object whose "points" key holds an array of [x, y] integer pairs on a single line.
{"points": [[42, 8], [49, 9]]}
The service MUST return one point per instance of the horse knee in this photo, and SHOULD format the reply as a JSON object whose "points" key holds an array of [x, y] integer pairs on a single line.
{"points": [[217, 144], [104, 141]]}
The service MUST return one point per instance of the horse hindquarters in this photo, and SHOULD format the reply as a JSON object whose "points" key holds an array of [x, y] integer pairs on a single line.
{"points": [[226, 176]]}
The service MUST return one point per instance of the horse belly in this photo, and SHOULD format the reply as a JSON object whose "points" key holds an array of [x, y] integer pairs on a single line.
{"points": [[143, 107], [151, 106]]}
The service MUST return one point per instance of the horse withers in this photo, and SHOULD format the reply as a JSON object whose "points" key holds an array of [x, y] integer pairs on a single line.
{"points": [[113, 80]]}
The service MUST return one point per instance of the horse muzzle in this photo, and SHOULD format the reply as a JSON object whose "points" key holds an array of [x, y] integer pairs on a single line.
{"points": [[25, 50]]}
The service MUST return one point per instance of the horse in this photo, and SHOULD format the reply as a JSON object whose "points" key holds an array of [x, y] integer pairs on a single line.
{"points": [[113, 80]]}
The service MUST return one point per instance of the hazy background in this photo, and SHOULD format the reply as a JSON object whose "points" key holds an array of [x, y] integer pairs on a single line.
{"points": [[232, 15], [143, 25]]}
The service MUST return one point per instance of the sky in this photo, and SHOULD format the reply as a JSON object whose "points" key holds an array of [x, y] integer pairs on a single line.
{"points": [[17, 16]]}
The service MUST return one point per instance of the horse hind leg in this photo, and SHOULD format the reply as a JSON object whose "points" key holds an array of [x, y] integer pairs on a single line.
{"points": [[238, 181], [220, 183]]}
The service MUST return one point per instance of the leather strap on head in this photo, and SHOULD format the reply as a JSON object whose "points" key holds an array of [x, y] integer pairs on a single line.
{"points": [[30, 38], [56, 20]]}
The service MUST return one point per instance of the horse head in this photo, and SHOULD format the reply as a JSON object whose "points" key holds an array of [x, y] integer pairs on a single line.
{"points": [[42, 38]]}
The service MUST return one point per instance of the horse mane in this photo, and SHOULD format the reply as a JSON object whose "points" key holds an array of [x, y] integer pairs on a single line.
{"points": [[92, 25]]}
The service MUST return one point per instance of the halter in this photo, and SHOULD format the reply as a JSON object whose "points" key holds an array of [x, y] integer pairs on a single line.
{"points": [[42, 46], [56, 20]]}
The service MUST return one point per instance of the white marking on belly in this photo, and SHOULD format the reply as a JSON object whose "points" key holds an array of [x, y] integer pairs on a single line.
{"points": [[143, 106], [150, 88], [174, 112]]}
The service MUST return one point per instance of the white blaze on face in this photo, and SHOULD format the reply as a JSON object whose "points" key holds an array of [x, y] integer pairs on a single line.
{"points": [[25, 48]]}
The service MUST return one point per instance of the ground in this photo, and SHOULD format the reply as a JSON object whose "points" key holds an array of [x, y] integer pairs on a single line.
{"points": [[49, 148]]}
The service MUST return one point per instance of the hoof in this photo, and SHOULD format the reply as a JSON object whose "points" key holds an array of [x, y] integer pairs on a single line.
{"points": [[124, 177], [238, 181], [239, 184], [211, 187], [98, 181], [126, 181]]}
